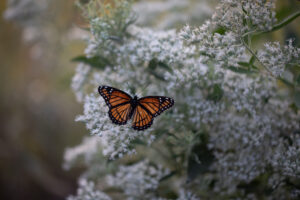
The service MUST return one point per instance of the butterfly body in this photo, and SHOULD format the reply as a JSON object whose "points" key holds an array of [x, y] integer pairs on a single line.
{"points": [[133, 103], [122, 107]]}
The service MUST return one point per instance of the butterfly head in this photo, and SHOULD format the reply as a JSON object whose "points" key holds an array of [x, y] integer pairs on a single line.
{"points": [[134, 101]]}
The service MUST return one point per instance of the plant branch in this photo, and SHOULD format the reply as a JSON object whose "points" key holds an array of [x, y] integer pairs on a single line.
{"points": [[284, 22], [255, 56], [276, 27]]}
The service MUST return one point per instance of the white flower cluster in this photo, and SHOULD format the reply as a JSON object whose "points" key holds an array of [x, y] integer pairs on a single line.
{"points": [[277, 58], [24, 12], [241, 16], [85, 151], [186, 195], [88, 155], [79, 80], [115, 140], [286, 158], [241, 111], [171, 13], [32, 16], [88, 191], [138, 180], [39, 21], [226, 50]]}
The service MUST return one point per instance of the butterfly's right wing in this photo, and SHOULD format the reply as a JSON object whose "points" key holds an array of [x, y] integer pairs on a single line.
{"points": [[118, 103]]}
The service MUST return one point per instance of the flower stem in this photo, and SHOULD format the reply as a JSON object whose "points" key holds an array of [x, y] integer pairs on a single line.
{"points": [[255, 56]]}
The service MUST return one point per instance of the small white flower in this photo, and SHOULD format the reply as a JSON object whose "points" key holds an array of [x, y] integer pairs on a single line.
{"points": [[88, 191], [277, 58], [138, 180]]}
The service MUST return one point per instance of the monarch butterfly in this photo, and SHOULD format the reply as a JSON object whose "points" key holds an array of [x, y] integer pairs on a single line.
{"points": [[123, 107]]}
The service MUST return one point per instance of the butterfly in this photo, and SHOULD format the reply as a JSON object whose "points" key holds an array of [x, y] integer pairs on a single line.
{"points": [[122, 107]]}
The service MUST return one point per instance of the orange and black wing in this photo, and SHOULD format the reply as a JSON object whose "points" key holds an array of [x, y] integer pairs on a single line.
{"points": [[120, 114], [113, 96], [148, 108], [118, 103], [142, 118], [156, 104]]}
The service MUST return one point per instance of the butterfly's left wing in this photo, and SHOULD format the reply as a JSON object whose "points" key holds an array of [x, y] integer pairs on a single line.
{"points": [[118, 103], [120, 114], [148, 108]]}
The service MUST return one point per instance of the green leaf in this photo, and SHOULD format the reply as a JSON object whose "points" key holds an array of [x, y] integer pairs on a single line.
{"points": [[252, 60], [157, 75], [154, 63], [297, 99], [255, 68], [220, 30], [241, 70], [98, 62], [258, 185], [294, 108], [249, 64], [171, 174], [286, 82], [165, 66], [216, 94], [245, 64], [199, 160], [298, 80], [84, 1], [138, 142]]}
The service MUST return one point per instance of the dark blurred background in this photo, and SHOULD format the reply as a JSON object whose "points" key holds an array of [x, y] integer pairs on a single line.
{"points": [[37, 106]]}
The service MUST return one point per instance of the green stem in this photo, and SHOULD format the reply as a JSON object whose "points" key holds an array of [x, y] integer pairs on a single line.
{"points": [[172, 173], [284, 22], [253, 54]]}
